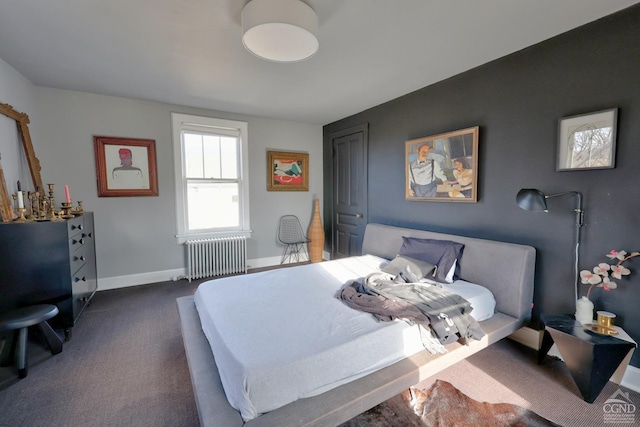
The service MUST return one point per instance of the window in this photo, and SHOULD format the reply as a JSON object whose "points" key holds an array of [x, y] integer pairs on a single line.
{"points": [[212, 197]]}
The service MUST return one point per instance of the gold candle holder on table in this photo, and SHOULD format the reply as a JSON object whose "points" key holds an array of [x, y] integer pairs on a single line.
{"points": [[79, 210], [52, 205], [66, 210], [52, 213], [606, 319], [33, 206], [21, 217]]}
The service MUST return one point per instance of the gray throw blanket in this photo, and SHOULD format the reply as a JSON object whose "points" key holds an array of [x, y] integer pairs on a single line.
{"points": [[386, 310], [445, 313]]}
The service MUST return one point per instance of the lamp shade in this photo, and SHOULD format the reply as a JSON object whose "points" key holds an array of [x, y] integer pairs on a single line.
{"points": [[531, 199], [280, 30]]}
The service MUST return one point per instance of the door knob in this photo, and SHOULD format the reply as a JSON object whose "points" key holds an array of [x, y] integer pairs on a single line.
{"points": [[358, 215]]}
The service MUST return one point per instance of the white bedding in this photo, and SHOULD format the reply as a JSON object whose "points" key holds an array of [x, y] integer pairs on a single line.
{"points": [[281, 335], [481, 299]]}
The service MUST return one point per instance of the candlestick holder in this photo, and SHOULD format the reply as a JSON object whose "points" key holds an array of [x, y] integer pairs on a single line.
{"points": [[21, 217], [51, 200], [78, 210], [52, 213], [66, 210], [32, 207]]}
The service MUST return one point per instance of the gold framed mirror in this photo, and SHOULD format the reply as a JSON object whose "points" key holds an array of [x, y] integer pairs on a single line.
{"points": [[22, 121]]}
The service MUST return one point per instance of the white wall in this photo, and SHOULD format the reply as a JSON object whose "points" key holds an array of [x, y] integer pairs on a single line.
{"points": [[135, 241], [18, 92]]}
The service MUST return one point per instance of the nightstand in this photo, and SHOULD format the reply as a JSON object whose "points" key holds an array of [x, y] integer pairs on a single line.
{"points": [[592, 358]]}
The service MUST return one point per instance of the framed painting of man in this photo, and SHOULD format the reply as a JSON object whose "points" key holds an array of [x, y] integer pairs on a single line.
{"points": [[125, 166], [443, 167]]}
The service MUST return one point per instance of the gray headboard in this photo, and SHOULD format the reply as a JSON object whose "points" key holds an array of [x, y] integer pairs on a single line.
{"points": [[506, 269]]}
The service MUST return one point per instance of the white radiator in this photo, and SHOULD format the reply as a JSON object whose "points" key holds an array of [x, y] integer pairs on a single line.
{"points": [[216, 257]]}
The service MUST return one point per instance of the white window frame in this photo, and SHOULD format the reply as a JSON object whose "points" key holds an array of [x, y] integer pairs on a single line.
{"points": [[180, 122]]}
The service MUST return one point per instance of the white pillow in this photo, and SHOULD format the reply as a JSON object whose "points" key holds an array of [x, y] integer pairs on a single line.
{"points": [[449, 277]]}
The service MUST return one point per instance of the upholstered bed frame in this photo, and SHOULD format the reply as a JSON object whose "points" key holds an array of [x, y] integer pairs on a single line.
{"points": [[506, 269]]}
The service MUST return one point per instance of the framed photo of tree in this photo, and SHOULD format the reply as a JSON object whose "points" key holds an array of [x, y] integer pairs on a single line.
{"points": [[587, 141]]}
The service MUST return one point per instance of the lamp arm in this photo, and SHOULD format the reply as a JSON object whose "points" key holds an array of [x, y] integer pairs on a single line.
{"points": [[578, 210]]}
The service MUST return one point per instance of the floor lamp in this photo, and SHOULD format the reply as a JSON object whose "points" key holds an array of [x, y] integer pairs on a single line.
{"points": [[534, 200]]}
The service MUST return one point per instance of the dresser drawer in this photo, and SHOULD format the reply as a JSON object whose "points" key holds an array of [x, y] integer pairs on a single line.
{"points": [[79, 257], [80, 279], [78, 241], [75, 226]]}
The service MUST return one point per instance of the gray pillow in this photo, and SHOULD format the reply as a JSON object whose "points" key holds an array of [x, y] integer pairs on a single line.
{"points": [[442, 253], [418, 267]]}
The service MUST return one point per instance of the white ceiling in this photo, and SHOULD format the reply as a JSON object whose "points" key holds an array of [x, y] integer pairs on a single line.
{"points": [[189, 52]]}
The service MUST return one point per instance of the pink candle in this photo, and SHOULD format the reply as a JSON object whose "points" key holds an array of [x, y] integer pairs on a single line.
{"points": [[66, 194]]}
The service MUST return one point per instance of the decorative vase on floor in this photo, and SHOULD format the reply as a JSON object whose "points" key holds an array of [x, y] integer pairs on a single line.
{"points": [[584, 311], [316, 234]]}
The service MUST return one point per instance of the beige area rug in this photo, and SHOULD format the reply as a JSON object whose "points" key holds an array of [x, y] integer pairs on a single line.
{"points": [[443, 405]]}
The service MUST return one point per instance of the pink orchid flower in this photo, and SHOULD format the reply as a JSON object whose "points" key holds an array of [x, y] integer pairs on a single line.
{"points": [[600, 275], [617, 255], [618, 271]]}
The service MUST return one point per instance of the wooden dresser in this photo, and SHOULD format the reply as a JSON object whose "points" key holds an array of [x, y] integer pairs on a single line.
{"points": [[49, 262]]}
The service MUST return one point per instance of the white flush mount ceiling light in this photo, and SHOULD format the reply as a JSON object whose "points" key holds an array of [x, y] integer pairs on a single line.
{"points": [[280, 30]]}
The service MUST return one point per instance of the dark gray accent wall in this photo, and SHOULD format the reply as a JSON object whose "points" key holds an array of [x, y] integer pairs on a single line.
{"points": [[517, 102]]}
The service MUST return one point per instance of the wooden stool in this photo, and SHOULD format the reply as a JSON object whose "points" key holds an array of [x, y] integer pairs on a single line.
{"points": [[18, 321]]}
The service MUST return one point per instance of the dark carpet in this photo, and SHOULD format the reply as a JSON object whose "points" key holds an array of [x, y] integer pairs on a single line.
{"points": [[125, 366]]}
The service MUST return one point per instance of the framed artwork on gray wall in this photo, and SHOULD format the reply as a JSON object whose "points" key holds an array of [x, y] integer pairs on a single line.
{"points": [[587, 141], [287, 171], [443, 168], [125, 167]]}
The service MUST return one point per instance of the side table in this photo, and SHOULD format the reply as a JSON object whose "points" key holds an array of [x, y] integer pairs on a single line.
{"points": [[591, 357]]}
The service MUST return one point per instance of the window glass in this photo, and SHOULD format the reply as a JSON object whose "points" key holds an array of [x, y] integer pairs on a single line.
{"points": [[211, 153], [213, 205], [212, 197]]}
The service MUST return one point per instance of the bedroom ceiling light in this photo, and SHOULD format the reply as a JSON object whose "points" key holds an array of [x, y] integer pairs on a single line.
{"points": [[531, 199], [280, 30]]}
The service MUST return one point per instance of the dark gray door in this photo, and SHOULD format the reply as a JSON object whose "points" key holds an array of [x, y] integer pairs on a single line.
{"points": [[349, 190]]}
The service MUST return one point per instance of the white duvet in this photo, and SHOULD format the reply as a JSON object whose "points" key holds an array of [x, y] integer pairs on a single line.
{"points": [[281, 335]]}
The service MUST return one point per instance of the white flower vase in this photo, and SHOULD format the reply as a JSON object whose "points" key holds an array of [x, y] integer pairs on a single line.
{"points": [[584, 310]]}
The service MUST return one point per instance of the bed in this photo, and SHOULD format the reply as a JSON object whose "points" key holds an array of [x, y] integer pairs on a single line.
{"points": [[505, 269]]}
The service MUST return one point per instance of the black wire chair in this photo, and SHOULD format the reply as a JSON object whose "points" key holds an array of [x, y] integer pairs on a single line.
{"points": [[291, 234]]}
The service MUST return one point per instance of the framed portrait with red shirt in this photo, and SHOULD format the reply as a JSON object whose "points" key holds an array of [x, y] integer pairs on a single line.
{"points": [[125, 167]]}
